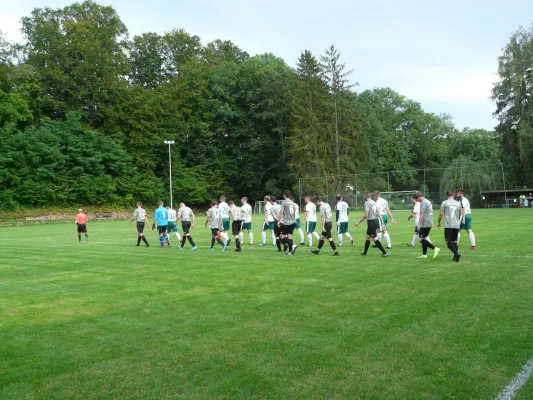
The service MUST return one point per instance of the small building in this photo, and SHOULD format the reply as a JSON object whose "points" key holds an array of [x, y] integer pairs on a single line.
{"points": [[496, 198]]}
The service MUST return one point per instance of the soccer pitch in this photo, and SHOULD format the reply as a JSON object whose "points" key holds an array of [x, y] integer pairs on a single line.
{"points": [[107, 320]]}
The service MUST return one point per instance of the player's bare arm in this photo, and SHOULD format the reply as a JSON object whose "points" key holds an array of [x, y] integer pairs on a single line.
{"points": [[441, 214], [391, 217], [420, 219], [193, 218], [280, 218], [365, 216]]}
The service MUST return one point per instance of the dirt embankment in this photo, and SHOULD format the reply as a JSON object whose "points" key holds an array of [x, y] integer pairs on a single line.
{"points": [[61, 217]]}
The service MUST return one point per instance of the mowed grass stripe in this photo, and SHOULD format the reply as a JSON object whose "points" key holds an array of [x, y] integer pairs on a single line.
{"points": [[112, 320]]}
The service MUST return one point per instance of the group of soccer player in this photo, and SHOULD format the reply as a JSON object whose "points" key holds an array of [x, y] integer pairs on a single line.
{"points": [[283, 218]]}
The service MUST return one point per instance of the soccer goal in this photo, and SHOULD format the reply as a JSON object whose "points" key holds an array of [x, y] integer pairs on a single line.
{"points": [[399, 200], [259, 206]]}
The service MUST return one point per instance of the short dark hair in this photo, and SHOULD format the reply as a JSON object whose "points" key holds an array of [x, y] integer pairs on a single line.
{"points": [[450, 193], [231, 203], [287, 193], [318, 199], [273, 198], [222, 197], [139, 203], [308, 197], [339, 197], [460, 191], [367, 195], [376, 192], [292, 198], [160, 202], [244, 199], [418, 195], [213, 203]]}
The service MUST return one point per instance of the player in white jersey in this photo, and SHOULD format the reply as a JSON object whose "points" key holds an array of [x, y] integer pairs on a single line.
{"points": [[466, 221], [383, 208], [298, 222], [310, 220], [172, 226], [223, 207], [268, 224], [415, 213], [247, 225], [342, 220]]}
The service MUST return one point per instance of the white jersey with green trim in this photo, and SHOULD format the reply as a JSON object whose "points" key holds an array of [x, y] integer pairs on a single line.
{"points": [[172, 215], [466, 205], [224, 210], [247, 211], [382, 205], [342, 208], [268, 207], [297, 210], [310, 209]]}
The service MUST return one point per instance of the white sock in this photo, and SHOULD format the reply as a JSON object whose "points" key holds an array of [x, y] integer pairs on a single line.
{"points": [[310, 239], [387, 239], [301, 233], [472, 238], [339, 236], [273, 238], [178, 236], [458, 237], [348, 235], [415, 239], [316, 236], [428, 239], [263, 237], [378, 237], [225, 236], [251, 237], [241, 236]]}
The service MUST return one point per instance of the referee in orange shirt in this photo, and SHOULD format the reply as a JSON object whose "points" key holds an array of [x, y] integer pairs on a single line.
{"points": [[81, 222]]}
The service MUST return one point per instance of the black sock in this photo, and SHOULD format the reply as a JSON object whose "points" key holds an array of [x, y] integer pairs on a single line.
{"points": [[138, 240], [220, 242], [79, 237], [424, 246], [455, 247], [213, 242], [428, 245], [380, 246], [86, 236], [320, 243], [278, 243], [144, 239], [190, 240], [367, 245], [238, 243], [332, 244], [183, 240], [291, 243]]}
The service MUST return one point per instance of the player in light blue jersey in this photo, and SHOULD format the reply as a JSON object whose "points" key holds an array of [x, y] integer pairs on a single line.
{"points": [[161, 217]]}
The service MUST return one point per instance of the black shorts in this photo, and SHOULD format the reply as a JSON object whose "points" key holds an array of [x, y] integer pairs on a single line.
{"points": [[236, 227], [424, 233], [287, 229], [140, 227], [162, 229], [451, 234], [185, 226], [214, 232], [82, 228], [372, 227], [327, 230]]}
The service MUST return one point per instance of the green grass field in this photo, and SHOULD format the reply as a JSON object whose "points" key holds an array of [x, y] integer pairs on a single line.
{"points": [[107, 320]]}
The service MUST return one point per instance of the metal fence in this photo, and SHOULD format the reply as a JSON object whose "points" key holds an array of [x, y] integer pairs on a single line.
{"points": [[398, 186]]}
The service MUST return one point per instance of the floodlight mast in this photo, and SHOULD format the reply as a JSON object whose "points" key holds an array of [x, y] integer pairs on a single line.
{"points": [[170, 142]]}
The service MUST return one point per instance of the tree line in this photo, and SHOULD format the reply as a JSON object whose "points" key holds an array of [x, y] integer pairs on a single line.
{"points": [[85, 108]]}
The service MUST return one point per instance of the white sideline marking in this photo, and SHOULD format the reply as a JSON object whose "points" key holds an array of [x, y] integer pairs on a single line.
{"points": [[520, 380]]}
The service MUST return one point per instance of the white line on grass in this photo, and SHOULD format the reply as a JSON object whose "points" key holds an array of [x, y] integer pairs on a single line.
{"points": [[520, 380]]}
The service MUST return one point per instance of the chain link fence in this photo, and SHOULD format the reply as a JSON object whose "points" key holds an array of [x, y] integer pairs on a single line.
{"points": [[397, 187]]}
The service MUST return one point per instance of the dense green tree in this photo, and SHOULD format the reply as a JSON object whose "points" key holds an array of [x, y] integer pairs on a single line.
{"points": [[146, 60], [79, 52], [218, 51], [513, 94]]}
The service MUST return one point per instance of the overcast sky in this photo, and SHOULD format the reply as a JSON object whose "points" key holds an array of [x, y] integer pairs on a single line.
{"points": [[441, 53]]}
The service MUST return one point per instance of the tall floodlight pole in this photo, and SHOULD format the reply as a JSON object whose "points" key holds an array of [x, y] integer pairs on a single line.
{"points": [[170, 142]]}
